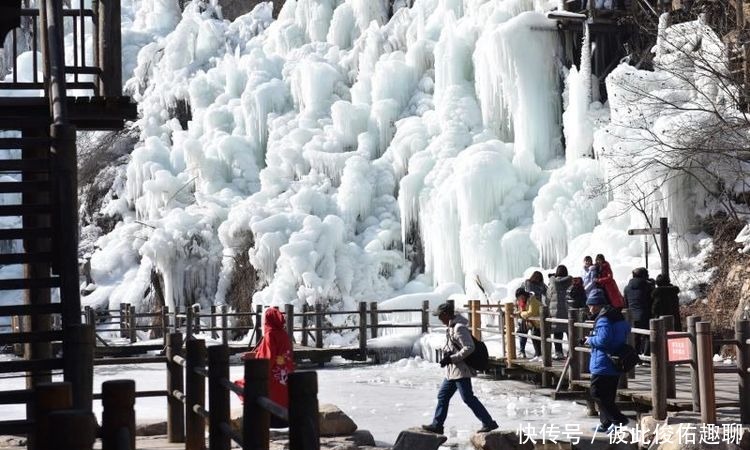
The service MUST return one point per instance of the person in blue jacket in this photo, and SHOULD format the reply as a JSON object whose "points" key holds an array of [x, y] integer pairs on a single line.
{"points": [[609, 334]]}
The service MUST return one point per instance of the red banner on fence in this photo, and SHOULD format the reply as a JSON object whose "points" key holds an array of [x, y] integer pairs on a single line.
{"points": [[678, 348]]}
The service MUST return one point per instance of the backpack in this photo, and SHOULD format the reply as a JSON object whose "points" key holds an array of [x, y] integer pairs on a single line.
{"points": [[625, 359], [479, 359]]}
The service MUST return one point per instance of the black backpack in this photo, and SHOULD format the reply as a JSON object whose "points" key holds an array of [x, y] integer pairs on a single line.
{"points": [[625, 359], [479, 359]]}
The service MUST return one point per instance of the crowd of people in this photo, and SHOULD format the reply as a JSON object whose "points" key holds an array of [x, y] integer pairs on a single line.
{"points": [[644, 298]]}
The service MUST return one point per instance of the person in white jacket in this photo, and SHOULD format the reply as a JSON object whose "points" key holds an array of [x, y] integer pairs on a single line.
{"points": [[458, 346]]}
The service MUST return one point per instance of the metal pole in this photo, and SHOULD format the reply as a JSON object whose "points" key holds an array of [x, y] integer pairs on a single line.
{"points": [[706, 372], [664, 237], [694, 376]]}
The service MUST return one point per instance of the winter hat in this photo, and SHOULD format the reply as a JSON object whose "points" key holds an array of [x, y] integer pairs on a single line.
{"points": [[444, 308], [596, 297]]}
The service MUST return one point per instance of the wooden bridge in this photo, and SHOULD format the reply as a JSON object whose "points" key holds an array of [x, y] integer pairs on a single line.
{"points": [[666, 381]]}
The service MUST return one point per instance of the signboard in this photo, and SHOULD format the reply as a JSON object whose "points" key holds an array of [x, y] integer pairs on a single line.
{"points": [[679, 349], [637, 231]]}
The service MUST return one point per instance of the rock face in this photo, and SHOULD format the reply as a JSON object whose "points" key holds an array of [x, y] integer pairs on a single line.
{"points": [[151, 429], [417, 439], [334, 422], [500, 440]]}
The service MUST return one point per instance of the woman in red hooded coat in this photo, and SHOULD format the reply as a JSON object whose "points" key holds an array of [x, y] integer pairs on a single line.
{"points": [[606, 281], [277, 349]]}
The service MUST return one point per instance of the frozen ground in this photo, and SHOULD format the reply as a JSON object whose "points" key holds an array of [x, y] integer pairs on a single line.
{"points": [[383, 399]]}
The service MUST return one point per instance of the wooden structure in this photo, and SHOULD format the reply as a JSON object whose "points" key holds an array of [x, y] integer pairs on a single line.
{"points": [[42, 104], [705, 386]]}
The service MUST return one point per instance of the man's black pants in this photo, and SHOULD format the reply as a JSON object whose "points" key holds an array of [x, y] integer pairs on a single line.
{"points": [[604, 391]]}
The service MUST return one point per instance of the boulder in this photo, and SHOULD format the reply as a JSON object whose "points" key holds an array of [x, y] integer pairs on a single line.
{"points": [[648, 426], [151, 429], [500, 440], [334, 422], [417, 439]]}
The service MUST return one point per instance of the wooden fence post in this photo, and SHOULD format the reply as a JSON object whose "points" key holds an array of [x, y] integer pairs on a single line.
{"points": [[255, 418], [742, 334], [544, 333], [706, 372], [510, 341], [318, 325], [78, 351], [110, 43], [123, 319], [476, 319], [218, 397], [573, 338], [305, 332], [658, 343], [671, 375], [48, 397], [289, 312], [195, 386], [214, 333], [694, 377], [175, 382], [90, 315], [304, 424], [258, 324], [363, 330], [72, 429], [165, 329], [132, 324], [631, 341], [118, 402], [224, 324], [425, 316], [373, 319]]}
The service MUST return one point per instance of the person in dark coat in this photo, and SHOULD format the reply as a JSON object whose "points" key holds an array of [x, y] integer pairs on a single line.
{"points": [[535, 285], [558, 305], [610, 332], [665, 301], [638, 298], [576, 295]]}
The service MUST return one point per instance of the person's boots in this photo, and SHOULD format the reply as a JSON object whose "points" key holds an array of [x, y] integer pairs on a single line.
{"points": [[437, 429], [488, 427]]}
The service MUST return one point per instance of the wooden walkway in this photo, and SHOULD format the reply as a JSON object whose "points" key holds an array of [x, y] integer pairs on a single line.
{"points": [[639, 388]]}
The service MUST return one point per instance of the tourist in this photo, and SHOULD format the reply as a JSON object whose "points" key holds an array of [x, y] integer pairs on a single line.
{"points": [[576, 295], [606, 280], [529, 306], [558, 306], [277, 349], [459, 344], [666, 301], [589, 274], [638, 298], [609, 334], [535, 284]]}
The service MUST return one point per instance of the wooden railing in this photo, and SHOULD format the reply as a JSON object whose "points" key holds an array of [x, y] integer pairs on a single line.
{"points": [[99, 74], [309, 325], [662, 368]]}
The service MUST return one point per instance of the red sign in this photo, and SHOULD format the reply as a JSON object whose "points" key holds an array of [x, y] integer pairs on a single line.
{"points": [[679, 348]]}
